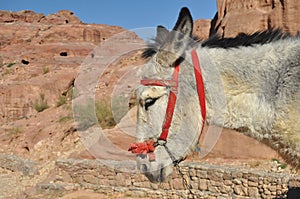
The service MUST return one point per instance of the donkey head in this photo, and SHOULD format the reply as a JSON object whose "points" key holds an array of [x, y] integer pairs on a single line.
{"points": [[172, 45], [168, 51]]}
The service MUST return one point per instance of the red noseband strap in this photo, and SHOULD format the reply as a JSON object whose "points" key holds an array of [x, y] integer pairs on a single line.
{"points": [[148, 146], [142, 147]]}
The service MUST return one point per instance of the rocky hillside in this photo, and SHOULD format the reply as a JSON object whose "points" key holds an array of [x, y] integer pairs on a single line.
{"points": [[41, 55], [39, 59]]}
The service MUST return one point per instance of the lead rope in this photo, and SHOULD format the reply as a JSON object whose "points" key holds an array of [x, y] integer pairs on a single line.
{"points": [[185, 183], [202, 103]]}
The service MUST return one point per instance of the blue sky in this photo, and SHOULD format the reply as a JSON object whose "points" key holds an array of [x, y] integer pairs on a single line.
{"points": [[129, 14]]}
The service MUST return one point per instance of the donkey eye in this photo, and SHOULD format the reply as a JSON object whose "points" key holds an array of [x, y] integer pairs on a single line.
{"points": [[149, 102]]}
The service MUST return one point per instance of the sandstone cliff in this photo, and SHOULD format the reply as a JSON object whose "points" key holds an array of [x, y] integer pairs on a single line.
{"points": [[248, 16]]}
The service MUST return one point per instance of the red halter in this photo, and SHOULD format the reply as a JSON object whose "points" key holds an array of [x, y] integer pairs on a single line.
{"points": [[149, 146]]}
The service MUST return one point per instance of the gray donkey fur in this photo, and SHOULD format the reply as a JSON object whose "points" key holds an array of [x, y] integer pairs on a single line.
{"points": [[260, 78]]}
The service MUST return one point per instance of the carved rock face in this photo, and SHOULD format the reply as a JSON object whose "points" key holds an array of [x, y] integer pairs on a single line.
{"points": [[248, 16]]}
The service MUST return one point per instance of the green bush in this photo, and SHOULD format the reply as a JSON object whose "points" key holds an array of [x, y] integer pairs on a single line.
{"points": [[64, 119], [14, 132], [46, 70], [10, 64], [90, 114], [280, 164], [104, 113], [61, 101], [84, 115], [6, 72], [41, 104]]}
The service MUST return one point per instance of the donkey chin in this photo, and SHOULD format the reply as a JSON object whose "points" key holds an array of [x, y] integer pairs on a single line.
{"points": [[158, 170]]}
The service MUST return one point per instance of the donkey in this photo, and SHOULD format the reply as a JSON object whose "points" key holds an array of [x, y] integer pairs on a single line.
{"points": [[260, 79]]}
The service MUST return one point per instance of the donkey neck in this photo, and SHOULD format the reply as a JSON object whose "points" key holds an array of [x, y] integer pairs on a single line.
{"points": [[233, 84]]}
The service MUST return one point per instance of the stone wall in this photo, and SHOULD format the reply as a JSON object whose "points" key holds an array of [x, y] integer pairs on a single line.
{"points": [[206, 180]]}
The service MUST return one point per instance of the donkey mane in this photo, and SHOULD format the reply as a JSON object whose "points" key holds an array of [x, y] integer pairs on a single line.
{"points": [[216, 41], [242, 39]]}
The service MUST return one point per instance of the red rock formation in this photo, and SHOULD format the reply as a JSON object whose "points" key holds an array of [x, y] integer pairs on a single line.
{"points": [[202, 28], [248, 16], [27, 16]]}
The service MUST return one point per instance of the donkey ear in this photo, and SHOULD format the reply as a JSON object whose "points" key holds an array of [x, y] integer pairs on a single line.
{"points": [[184, 24], [161, 34], [176, 42]]}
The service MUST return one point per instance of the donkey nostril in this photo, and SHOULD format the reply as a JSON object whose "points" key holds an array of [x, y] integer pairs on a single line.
{"points": [[143, 168], [142, 156], [161, 174]]}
